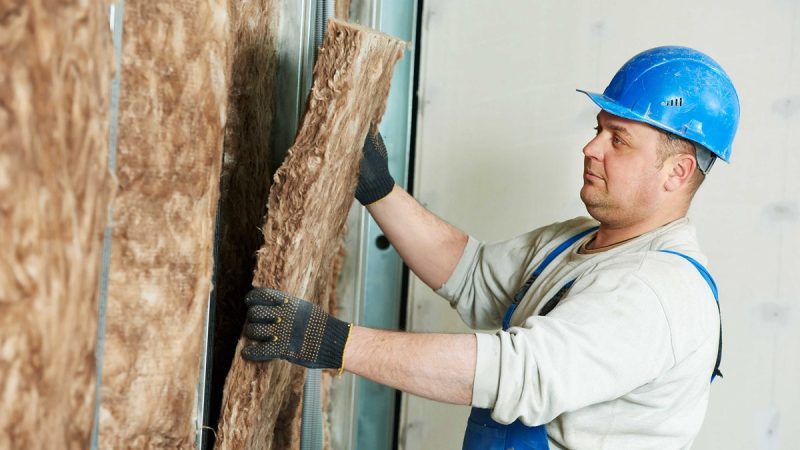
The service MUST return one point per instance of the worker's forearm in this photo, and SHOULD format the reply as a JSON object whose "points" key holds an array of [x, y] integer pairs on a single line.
{"points": [[429, 246], [440, 367]]}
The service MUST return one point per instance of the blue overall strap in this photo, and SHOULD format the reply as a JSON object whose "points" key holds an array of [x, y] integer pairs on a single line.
{"points": [[538, 271], [558, 250], [483, 433], [707, 276]]}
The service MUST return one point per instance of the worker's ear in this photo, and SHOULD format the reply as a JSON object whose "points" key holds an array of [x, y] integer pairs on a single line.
{"points": [[680, 169]]}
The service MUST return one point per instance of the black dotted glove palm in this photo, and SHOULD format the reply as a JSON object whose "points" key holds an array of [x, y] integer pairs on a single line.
{"points": [[374, 180], [293, 329]]}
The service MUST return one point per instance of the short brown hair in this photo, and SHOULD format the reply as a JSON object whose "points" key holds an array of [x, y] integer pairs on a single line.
{"points": [[670, 144]]}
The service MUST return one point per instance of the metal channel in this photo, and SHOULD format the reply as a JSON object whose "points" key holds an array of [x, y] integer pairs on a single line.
{"points": [[383, 273], [295, 70], [115, 16], [206, 359], [311, 436]]}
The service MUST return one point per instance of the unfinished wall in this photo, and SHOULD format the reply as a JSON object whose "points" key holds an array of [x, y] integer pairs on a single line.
{"points": [[54, 192], [308, 203], [172, 116], [246, 175], [177, 93]]}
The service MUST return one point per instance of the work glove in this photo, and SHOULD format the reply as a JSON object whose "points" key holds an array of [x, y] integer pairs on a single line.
{"points": [[374, 180], [290, 328]]}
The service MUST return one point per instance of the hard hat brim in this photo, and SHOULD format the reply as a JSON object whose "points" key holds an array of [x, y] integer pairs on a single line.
{"points": [[612, 107]]}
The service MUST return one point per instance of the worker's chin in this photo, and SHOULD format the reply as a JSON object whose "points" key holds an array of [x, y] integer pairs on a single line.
{"points": [[589, 196], [595, 206]]}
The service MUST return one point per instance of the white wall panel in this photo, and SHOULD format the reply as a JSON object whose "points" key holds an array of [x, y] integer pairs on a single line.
{"points": [[500, 132]]}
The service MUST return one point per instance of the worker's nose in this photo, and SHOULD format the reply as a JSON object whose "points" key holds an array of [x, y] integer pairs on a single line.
{"points": [[593, 148]]}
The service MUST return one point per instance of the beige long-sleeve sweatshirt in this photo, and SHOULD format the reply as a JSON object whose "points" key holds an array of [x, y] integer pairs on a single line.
{"points": [[625, 359]]}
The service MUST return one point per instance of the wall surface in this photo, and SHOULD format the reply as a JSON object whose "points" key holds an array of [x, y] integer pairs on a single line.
{"points": [[498, 153]]}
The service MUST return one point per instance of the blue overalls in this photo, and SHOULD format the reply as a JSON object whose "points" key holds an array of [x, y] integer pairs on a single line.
{"points": [[483, 433]]}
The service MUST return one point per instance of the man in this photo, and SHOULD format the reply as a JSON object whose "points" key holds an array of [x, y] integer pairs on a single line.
{"points": [[611, 331]]}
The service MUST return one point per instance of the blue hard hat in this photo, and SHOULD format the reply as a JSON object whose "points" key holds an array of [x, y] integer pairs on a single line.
{"points": [[679, 90]]}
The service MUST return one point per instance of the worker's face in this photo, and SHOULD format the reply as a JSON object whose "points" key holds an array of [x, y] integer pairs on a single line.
{"points": [[622, 181]]}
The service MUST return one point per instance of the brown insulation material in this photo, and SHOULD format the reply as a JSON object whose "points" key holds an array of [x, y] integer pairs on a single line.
{"points": [[308, 204], [342, 9], [246, 175], [172, 117], [56, 60]]}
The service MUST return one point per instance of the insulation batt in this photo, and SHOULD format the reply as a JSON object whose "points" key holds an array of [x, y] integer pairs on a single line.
{"points": [[308, 204], [56, 60], [175, 77]]}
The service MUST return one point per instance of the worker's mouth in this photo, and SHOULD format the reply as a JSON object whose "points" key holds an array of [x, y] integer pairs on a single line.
{"points": [[588, 175]]}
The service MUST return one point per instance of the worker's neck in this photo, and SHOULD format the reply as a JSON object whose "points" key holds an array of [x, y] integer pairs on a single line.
{"points": [[609, 235]]}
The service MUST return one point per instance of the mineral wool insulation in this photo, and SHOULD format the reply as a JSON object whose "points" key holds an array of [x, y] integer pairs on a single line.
{"points": [[177, 97], [308, 204], [173, 96], [54, 193]]}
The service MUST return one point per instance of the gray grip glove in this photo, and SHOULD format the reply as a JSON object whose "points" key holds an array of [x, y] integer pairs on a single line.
{"points": [[293, 329], [374, 180]]}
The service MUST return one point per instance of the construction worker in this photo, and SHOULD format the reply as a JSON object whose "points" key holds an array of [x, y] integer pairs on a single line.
{"points": [[610, 325]]}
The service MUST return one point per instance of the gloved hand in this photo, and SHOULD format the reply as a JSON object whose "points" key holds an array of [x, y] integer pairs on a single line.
{"points": [[374, 180], [293, 329]]}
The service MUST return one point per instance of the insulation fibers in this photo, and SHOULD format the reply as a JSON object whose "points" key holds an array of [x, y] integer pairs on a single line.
{"points": [[56, 60], [175, 77]]}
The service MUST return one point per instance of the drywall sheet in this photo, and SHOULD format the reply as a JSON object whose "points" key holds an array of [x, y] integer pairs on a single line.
{"points": [[172, 116], [308, 203], [56, 61], [246, 175]]}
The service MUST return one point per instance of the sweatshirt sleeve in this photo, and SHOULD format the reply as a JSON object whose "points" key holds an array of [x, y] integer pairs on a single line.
{"points": [[487, 276], [474, 290], [609, 336]]}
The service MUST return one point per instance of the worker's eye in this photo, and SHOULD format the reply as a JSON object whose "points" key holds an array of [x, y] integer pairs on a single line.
{"points": [[597, 130], [617, 141]]}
